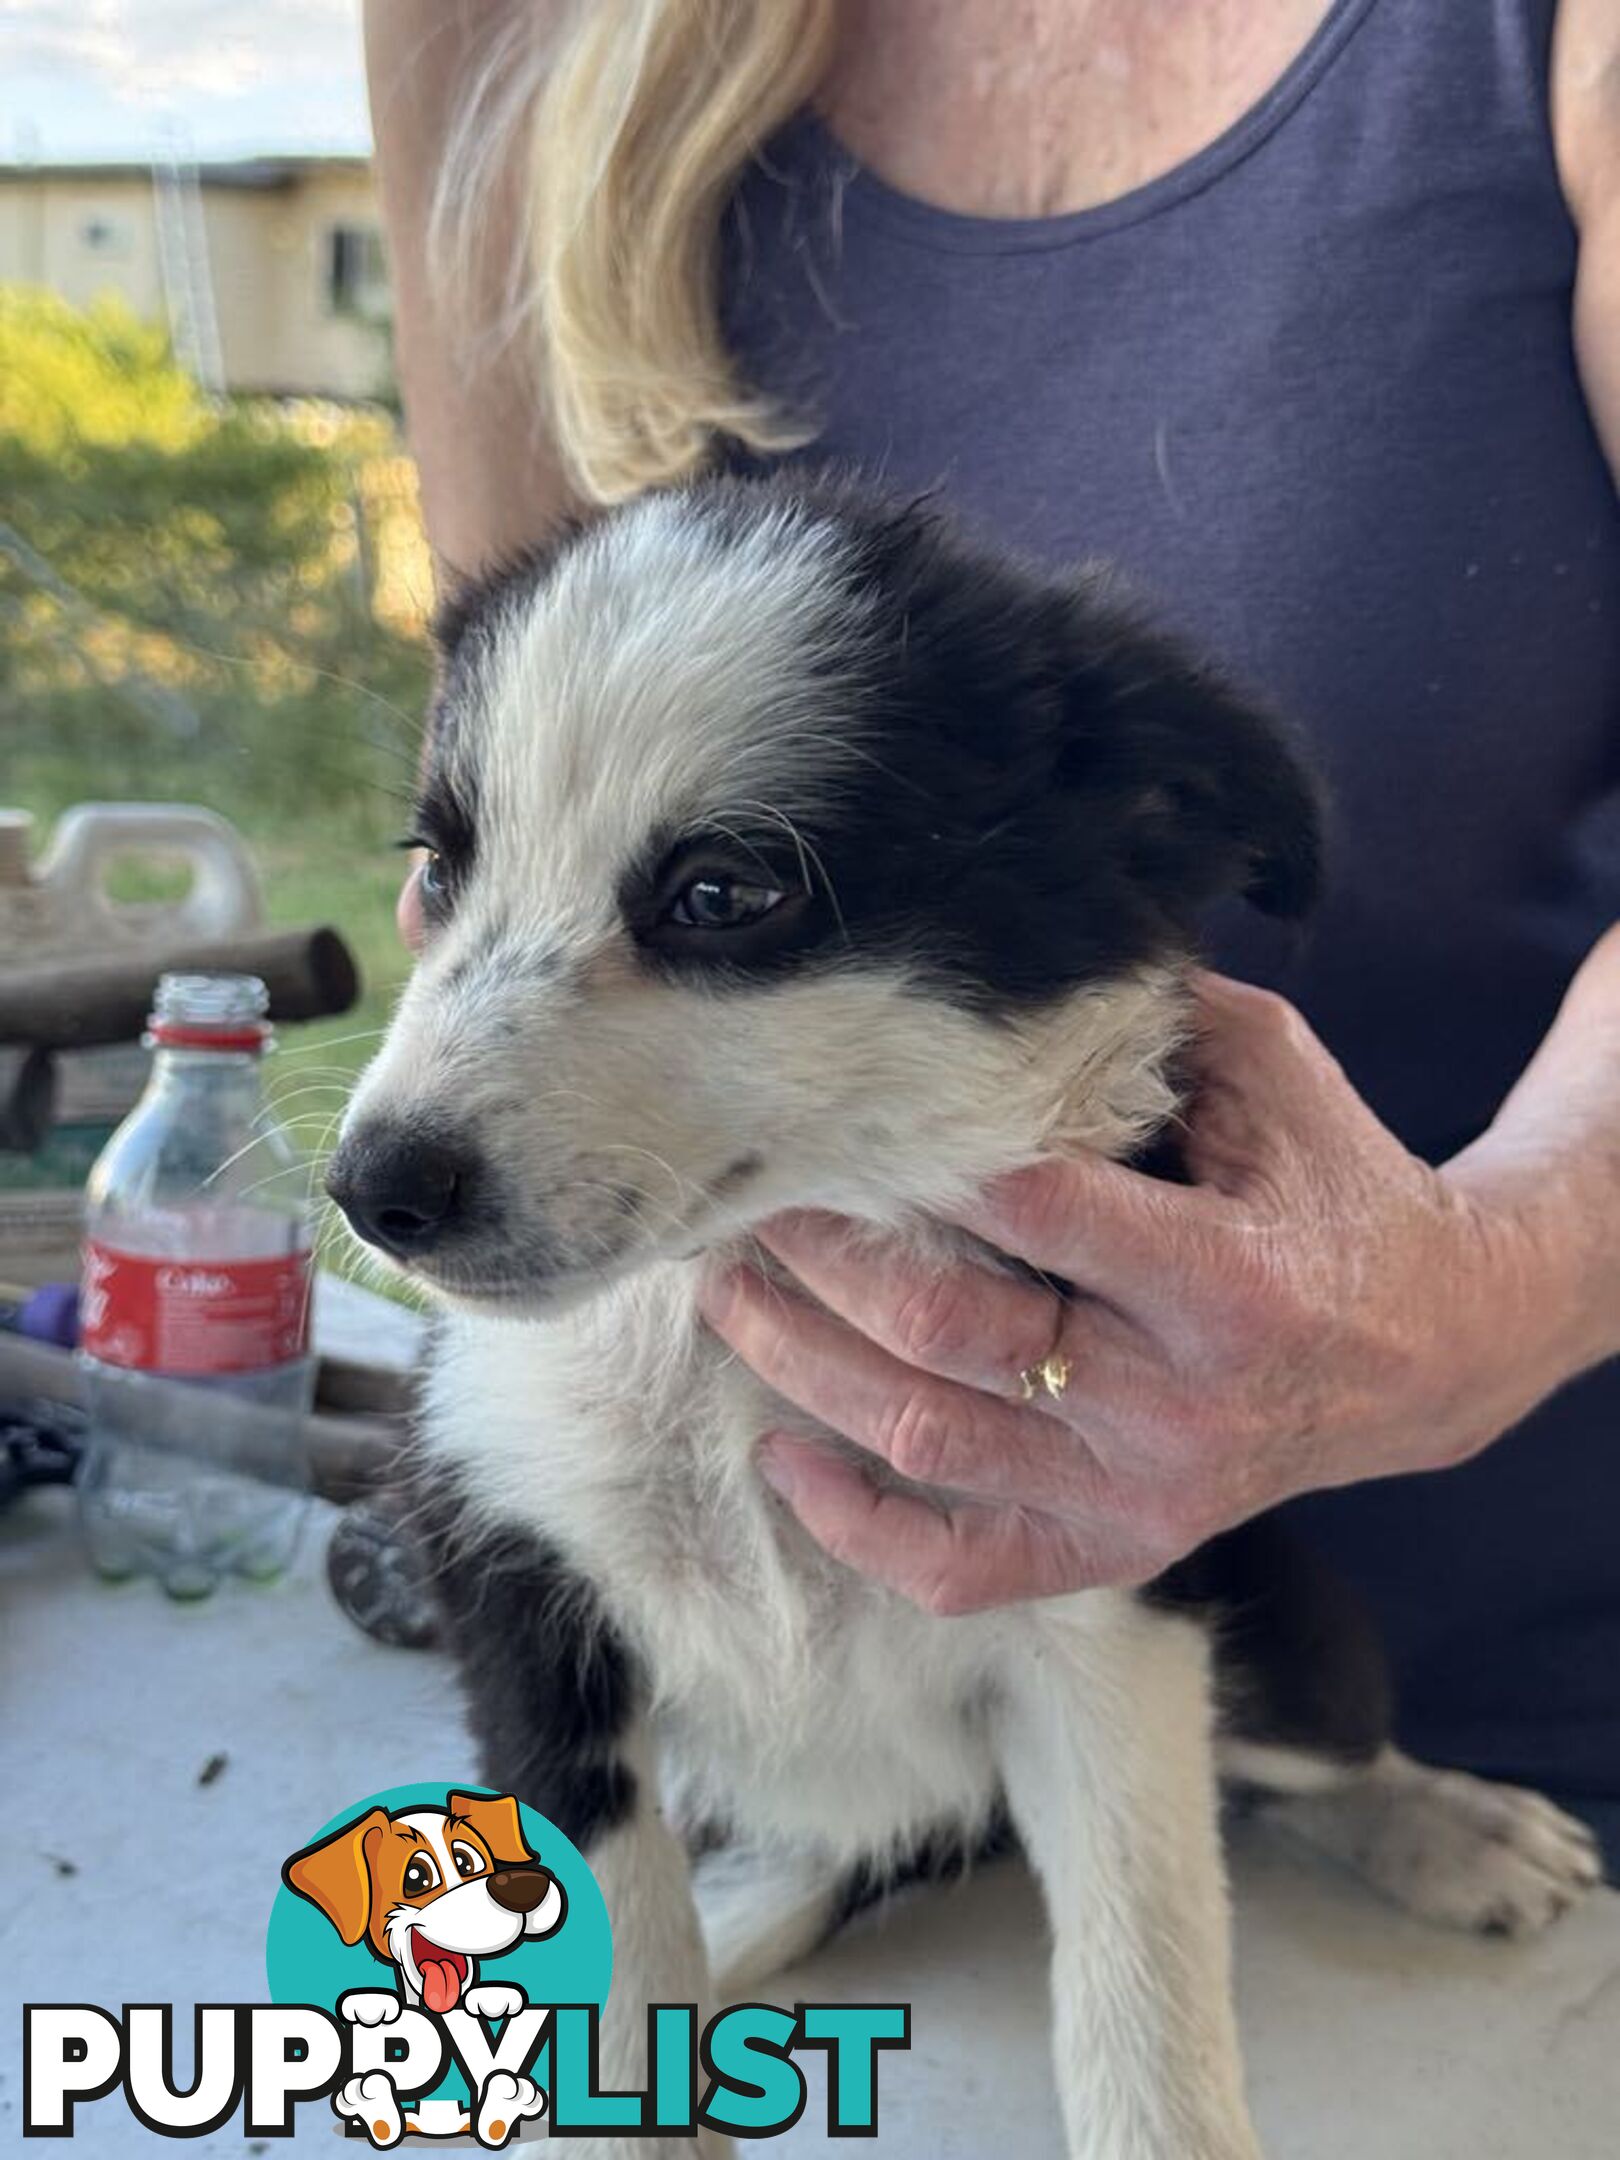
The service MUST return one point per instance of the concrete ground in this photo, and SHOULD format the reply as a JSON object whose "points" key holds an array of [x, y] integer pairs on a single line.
{"points": [[160, 1761]]}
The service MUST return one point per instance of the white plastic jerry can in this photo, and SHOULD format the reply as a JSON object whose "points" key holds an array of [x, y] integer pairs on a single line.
{"points": [[58, 907]]}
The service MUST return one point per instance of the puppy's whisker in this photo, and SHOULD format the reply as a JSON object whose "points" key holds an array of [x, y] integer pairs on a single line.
{"points": [[683, 1185], [331, 1042], [295, 1177], [743, 845], [808, 855], [259, 1140], [275, 1111], [667, 1217]]}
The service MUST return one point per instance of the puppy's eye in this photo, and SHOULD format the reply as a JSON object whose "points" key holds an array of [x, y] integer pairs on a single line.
{"points": [[719, 902], [420, 1875], [438, 875], [468, 1862]]}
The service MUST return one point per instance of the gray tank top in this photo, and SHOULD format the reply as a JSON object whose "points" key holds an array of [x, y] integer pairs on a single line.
{"points": [[1315, 390]]}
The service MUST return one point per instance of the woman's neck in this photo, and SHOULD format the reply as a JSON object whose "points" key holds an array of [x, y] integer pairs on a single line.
{"points": [[1030, 108]]}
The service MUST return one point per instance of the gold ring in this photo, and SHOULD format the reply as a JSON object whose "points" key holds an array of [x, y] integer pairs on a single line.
{"points": [[1049, 1377]]}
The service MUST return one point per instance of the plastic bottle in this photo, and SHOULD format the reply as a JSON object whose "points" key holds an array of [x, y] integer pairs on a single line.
{"points": [[197, 1270]]}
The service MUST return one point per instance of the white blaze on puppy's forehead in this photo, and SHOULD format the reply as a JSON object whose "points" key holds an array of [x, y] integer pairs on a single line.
{"points": [[668, 668]]}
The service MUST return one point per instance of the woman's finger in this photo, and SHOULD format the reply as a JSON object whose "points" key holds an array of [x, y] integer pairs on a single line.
{"points": [[1264, 1085], [952, 1318], [1134, 1240], [1113, 1232], [948, 1559], [930, 1431]]}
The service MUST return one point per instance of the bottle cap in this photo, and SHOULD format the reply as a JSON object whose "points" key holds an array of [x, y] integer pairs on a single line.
{"points": [[209, 1012]]}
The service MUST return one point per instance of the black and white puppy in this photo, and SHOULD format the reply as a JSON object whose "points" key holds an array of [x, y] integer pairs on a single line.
{"points": [[788, 851]]}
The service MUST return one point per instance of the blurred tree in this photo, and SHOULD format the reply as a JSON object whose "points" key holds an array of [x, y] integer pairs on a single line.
{"points": [[173, 566]]}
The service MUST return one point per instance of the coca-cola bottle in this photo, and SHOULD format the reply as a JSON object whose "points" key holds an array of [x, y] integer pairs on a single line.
{"points": [[195, 1308]]}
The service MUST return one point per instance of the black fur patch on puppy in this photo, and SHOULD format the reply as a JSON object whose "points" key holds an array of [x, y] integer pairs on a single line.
{"points": [[550, 1689], [1042, 790], [1063, 790], [1299, 1661]]}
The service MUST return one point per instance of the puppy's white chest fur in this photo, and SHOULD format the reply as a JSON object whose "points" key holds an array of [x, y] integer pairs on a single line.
{"points": [[791, 1697]]}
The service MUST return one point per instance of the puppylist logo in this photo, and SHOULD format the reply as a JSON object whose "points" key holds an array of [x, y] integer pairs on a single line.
{"points": [[438, 1959]]}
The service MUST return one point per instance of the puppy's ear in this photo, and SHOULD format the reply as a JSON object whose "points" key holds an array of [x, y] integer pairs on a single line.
{"points": [[1211, 796], [497, 1822], [335, 1874]]}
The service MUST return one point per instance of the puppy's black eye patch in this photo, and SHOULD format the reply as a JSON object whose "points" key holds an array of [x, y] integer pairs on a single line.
{"points": [[721, 900], [443, 828]]}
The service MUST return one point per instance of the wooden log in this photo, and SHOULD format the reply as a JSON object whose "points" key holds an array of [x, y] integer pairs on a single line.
{"points": [[27, 1098], [341, 1458], [351, 1389], [80, 1004]]}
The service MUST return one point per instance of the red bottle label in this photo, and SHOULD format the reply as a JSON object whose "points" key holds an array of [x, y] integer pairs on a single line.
{"points": [[190, 1317]]}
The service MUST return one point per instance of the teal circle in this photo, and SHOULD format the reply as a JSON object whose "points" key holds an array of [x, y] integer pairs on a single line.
{"points": [[307, 1961]]}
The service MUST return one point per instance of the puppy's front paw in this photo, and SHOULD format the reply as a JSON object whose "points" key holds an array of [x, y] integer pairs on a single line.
{"points": [[494, 1999], [372, 2102], [506, 2101], [369, 2006]]}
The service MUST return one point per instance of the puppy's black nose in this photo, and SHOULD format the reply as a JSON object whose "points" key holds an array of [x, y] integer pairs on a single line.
{"points": [[519, 1889], [401, 1192]]}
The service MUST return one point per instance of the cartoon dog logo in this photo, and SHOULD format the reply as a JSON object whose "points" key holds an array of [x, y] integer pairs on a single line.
{"points": [[431, 1891]]}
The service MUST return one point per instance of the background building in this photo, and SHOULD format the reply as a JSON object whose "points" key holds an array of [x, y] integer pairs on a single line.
{"points": [[269, 272]]}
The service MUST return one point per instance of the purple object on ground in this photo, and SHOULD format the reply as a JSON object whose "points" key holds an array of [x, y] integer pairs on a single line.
{"points": [[51, 1314]]}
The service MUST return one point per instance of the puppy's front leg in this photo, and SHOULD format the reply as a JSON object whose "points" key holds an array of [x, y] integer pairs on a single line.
{"points": [[1102, 1728], [658, 1948], [554, 1699], [642, 1869]]}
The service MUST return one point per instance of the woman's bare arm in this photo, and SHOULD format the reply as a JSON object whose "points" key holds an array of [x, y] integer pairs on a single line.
{"points": [[1586, 126], [490, 482], [1552, 1156]]}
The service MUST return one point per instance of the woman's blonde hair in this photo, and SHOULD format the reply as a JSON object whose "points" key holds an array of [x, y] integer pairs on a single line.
{"points": [[637, 118]]}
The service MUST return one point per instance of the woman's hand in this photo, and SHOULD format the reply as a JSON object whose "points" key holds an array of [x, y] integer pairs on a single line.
{"points": [[1317, 1307]]}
